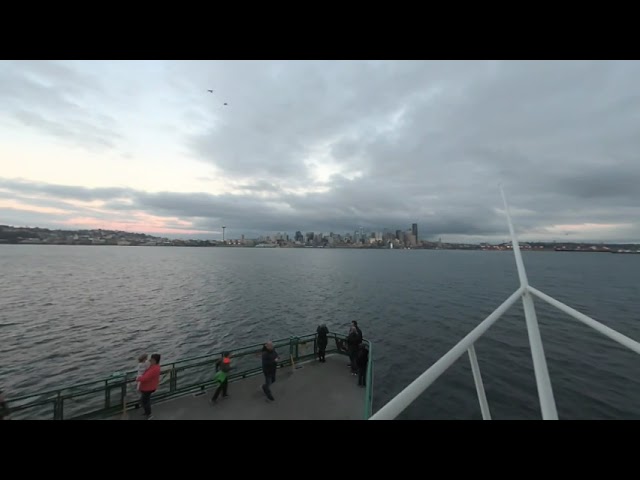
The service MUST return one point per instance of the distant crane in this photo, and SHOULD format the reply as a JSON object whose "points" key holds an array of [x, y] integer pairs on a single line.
{"points": [[223, 227]]}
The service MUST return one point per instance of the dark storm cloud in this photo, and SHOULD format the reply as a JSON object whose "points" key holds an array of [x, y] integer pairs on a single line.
{"points": [[462, 127], [609, 185], [278, 112], [261, 186], [314, 212]]}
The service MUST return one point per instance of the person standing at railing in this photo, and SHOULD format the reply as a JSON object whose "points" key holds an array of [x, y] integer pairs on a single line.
{"points": [[352, 346], [223, 367], [358, 331], [322, 332], [149, 382], [269, 366]]}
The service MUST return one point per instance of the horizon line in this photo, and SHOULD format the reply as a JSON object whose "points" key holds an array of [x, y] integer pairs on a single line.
{"points": [[507, 241]]}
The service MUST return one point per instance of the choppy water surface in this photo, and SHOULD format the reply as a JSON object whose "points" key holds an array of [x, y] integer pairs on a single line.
{"points": [[70, 314]]}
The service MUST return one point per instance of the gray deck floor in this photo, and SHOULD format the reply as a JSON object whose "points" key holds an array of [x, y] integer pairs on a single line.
{"points": [[314, 391]]}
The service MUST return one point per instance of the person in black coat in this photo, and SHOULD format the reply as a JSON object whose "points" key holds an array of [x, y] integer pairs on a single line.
{"points": [[353, 340], [354, 324], [269, 366], [322, 332]]}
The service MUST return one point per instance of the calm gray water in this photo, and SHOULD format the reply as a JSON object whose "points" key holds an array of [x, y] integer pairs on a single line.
{"points": [[71, 314]]}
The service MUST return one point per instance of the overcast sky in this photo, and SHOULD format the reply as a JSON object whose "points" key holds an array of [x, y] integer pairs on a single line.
{"points": [[323, 146]]}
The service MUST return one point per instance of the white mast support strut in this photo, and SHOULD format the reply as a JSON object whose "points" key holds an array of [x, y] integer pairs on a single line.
{"points": [[477, 378], [545, 392], [412, 391], [603, 329]]}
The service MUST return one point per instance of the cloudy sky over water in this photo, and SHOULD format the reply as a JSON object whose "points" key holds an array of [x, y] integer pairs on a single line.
{"points": [[323, 146]]}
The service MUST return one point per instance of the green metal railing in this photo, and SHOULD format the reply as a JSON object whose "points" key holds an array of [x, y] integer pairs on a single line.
{"points": [[117, 393], [368, 400]]}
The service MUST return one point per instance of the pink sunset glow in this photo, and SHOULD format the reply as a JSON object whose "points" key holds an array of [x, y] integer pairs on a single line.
{"points": [[141, 223]]}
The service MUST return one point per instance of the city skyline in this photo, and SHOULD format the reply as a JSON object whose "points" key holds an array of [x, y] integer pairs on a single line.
{"points": [[359, 239], [299, 235], [323, 145]]}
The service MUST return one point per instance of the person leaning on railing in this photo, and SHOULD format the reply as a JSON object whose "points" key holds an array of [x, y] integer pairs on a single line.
{"points": [[149, 381], [353, 341], [322, 332]]}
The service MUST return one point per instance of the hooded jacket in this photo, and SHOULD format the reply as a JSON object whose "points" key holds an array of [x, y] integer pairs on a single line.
{"points": [[269, 362], [322, 331]]}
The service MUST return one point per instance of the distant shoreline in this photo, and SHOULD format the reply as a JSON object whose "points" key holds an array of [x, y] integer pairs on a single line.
{"points": [[10, 235], [341, 247]]}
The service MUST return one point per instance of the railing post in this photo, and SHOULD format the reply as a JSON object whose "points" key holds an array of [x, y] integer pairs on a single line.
{"points": [[368, 408], [123, 393], [107, 394], [477, 378], [371, 387], [545, 392], [58, 408], [173, 378]]}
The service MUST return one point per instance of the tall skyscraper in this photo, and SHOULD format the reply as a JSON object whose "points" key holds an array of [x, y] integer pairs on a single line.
{"points": [[414, 230]]}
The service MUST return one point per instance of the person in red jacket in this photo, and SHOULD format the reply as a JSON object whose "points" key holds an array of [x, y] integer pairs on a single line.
{"points": [[149, 381]]}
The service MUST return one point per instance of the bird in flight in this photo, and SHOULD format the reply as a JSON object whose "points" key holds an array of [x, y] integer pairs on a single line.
{"points": [[211, 91]]}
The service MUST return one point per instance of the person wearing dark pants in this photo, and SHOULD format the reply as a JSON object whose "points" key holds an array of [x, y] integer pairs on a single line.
{"points": [[322, 332], [361, 361], [149, 382], [269, 366], [269, 379], [224, 367], [222, 387], [145, 400]]}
